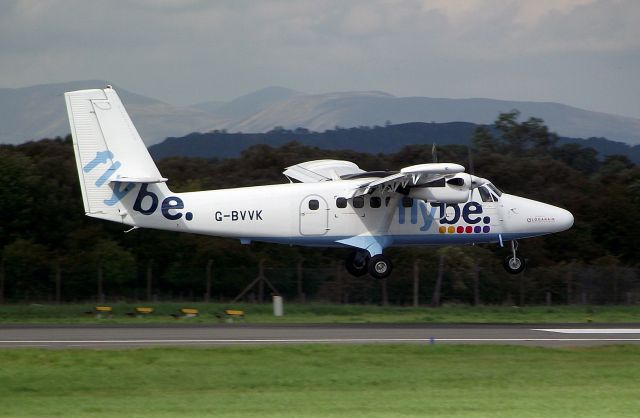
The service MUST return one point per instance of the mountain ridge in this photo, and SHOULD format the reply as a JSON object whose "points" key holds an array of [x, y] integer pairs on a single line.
{"points": [[36, 112]]}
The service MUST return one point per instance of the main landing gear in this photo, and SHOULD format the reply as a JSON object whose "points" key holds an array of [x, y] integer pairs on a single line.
{"points": [[360, 263], [514, 264]]}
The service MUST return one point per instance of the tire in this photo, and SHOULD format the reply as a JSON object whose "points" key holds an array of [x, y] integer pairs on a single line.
{"points": [[353, 267], [380, 266], [514, 265]]}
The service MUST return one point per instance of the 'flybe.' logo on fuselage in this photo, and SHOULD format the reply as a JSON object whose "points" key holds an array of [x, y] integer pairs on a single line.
{"points": [[469, 215]]}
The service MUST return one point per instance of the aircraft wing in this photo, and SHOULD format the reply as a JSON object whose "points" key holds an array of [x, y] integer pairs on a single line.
{"points": [[321, 170], [414, 175]]}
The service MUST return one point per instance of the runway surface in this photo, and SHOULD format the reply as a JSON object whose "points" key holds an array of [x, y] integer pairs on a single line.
{"points": [[241, 334]]}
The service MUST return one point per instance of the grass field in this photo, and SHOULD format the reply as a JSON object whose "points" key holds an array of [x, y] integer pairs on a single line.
{"points": [[319, 313], [323, 381]]}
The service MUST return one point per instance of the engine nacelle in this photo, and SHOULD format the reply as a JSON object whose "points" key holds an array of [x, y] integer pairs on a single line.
{"points": [[453, 189]]}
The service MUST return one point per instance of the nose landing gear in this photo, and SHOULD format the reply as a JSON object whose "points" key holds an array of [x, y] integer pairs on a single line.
{"points": [[359, 263], [514, 264]]}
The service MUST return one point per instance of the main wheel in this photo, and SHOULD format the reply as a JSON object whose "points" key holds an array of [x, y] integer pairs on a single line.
{"points": [[380, 266], [356, 263], [514, 265]]}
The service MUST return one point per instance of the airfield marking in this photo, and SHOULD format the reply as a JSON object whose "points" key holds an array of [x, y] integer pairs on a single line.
{"points": [[312, 341], [591, 330]]}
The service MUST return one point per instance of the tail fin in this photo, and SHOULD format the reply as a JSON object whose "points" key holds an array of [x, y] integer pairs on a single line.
{"points": [[110, 155]]}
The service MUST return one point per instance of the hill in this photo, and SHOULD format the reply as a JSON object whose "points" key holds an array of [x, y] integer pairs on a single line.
{"points": [[35, 112], [386, 140], [325, 111], [39, 112]]}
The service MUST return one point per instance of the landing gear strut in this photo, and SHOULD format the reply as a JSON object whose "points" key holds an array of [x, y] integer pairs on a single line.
{"points": [[356, 263], [360, 263], [514, 264]]}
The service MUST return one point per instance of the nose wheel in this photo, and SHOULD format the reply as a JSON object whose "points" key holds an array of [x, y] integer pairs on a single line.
{"points": [[514, 264], [380, 266]]}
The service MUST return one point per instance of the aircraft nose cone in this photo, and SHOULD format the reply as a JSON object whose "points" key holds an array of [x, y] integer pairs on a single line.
{"points": [[564, 219]]}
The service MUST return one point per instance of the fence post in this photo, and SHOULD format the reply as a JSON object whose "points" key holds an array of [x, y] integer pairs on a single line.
{"points": [[2, 281], [100, 279], [339, 281], [476, 283], [58, 280], [416, 282], [435, 300], [149, 279], [207, 293], [521, 277], [301, 296]]}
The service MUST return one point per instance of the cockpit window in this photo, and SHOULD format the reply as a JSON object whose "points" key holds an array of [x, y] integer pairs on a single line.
{"points": [[494, 189], [485, 195]]}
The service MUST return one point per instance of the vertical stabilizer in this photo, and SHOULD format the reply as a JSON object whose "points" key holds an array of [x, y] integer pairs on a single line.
{"points": [[110, 155]]}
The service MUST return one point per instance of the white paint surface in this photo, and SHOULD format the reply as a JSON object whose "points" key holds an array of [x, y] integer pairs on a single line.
{"points": [[592, 330]]}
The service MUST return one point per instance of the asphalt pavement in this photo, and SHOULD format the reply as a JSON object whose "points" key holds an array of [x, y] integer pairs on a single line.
{"points": [[123, 336]]}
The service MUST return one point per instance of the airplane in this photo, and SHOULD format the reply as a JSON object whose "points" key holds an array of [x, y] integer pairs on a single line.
{"points": [[326, 203]]}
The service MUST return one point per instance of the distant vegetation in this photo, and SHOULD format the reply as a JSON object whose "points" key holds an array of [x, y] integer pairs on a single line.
{"points": [[371, 139], [45, 238]]}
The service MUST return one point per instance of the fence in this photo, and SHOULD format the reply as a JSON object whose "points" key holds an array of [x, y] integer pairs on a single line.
{"points": [[413, 283]]}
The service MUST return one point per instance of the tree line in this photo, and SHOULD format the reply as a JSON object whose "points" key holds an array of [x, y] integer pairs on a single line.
{"points": [[50, 251]]}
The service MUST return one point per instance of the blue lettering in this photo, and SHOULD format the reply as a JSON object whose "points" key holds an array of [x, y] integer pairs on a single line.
{"points": [[401, 214], [119, 192], [137, 206], [170, 203], [426, 217], [108, 173], [472, 208], [102, 157], [444, 219], [414, 212]]}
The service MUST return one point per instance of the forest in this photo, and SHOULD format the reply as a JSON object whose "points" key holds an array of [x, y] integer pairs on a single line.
{"points": [[51, 252]]}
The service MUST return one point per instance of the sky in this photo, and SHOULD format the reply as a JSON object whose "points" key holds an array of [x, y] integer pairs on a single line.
{"points": [[584, 53]]}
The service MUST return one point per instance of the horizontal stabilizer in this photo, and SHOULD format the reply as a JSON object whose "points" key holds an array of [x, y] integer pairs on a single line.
{"points": [[125, 179]]}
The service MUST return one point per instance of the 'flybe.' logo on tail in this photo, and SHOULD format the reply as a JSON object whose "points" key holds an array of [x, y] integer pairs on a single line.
{"points": [[146, 202], [120, 190]]}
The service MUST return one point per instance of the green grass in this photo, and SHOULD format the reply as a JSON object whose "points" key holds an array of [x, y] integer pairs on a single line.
{"points": [[323, 313], [322, 381]]}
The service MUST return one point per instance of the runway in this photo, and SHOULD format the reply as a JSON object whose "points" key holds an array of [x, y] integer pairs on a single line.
{"points": [[240, 334]]}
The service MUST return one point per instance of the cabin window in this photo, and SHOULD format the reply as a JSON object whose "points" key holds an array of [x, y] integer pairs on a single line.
{"points": [[358, 202], [341, 202], [375, 202], [484, 194], [407, 202], [314, 204]]}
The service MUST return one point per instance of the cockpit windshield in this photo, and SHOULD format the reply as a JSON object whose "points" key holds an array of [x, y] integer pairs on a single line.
{"points": [[494, 189]]}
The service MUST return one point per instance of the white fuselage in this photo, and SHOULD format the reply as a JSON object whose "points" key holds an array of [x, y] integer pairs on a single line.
{"points": [[309, 214]]}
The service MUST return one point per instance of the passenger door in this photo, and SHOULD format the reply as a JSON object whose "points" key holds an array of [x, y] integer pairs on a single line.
{"points": [[314, 216]]}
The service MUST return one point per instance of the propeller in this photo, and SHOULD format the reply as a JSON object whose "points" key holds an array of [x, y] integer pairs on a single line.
{"points": [[471, 170]]}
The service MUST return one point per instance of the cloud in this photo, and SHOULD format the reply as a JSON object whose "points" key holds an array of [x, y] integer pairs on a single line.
{"points": [[201, 50]]}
